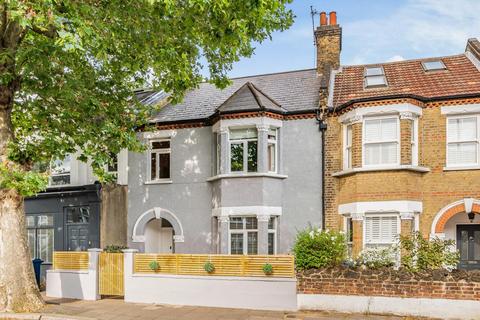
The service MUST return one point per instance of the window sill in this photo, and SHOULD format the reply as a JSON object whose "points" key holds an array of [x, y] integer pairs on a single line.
{"points": [[247, 175], [159, 182], [461, 168], [372, 169]]}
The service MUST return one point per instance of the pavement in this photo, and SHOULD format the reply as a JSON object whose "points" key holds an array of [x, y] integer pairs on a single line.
{"points": [[117, 309]]}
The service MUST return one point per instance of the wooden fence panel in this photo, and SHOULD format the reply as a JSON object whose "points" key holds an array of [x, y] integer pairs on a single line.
{"points": [[110, 267], [225, 265], [70, 260]]}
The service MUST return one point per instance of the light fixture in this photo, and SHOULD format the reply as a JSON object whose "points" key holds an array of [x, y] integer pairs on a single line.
{"points": [[471, 216]]}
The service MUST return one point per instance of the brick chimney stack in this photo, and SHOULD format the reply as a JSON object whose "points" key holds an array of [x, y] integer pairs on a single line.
{"points": [[329, 43]]}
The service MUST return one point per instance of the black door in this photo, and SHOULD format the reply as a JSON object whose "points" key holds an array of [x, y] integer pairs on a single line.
{"points": [[78, 225], [468, 243]]}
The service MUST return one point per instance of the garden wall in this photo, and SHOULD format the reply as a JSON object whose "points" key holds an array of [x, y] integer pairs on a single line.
{"points": [[440, 294]]}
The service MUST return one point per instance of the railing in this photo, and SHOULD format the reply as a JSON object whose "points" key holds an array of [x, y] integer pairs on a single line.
{"points": [[70, 260], [225, 265]]}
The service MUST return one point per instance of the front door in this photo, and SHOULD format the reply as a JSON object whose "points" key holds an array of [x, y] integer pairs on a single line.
{"points": [[166, 240], [77, 237], [468, 243]]}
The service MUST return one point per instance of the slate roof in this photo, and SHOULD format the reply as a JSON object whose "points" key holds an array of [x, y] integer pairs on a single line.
{"points": [[292, 91], [409, 78]]}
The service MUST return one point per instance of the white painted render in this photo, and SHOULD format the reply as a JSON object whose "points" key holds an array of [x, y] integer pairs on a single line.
{"points": [[356, 115], [420, 307], [380, 206], [460, 109]]}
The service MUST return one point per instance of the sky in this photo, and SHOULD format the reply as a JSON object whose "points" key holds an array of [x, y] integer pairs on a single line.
{"points": [[373, 31]]}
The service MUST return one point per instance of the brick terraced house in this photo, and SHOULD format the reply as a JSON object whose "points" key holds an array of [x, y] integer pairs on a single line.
{"points": [[402, 146]]}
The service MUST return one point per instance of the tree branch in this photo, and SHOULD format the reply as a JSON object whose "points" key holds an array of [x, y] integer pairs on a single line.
{"points": [[51, 32]]}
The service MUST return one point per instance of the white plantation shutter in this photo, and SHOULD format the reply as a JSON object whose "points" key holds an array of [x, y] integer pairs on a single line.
{"points": [[462, 141], [381, 229], [381, 141]]}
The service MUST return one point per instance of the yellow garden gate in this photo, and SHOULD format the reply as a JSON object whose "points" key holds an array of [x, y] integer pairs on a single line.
{"points": [[110, 268]]}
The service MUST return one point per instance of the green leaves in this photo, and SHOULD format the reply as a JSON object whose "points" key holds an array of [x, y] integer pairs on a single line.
{"points": [[26, 183]]}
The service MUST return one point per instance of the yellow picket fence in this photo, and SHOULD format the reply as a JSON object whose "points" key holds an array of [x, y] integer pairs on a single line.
{"points": [[70, 260], [225, 265], [110, 269]]}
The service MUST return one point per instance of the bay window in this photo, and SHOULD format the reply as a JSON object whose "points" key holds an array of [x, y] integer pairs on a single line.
{"points": [[243, 150], [463, 138], [243, 233], [160, 159], [381, 141], [40, 230]]}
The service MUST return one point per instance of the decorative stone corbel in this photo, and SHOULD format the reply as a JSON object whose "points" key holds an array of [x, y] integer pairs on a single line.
{"points": [[263, 127], [468, 202], [407, 115], [407, 215], [263, 218], [357, 216]]}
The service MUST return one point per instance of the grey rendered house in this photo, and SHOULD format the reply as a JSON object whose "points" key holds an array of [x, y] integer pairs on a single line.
{"points": [[233, 171]]}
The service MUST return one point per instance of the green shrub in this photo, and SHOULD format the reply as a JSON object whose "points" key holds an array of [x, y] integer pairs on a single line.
{"points": [[375, 258], [112, 248], [209, 267], [154, 266], [267, 269], [421, 254], [317, 249]]}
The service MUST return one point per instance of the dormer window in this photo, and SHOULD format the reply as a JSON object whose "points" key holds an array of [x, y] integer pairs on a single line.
{"points": [[436, 65], [375, 77]]}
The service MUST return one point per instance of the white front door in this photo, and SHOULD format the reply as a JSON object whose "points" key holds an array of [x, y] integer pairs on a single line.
{"points": [[166, 240]]}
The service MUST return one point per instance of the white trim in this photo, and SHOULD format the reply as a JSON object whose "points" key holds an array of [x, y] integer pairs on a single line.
{"points": [[160, 134], [380, 206], [331, 87], [248, 175], [157, 211], [461, 168], [442, 211], [381, 168], [414, 141], [461, 109], [477, 141], [226, 124], [380, 110], [247, 211], [473, 58]]}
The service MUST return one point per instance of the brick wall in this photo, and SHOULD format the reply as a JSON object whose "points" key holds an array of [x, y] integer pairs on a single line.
{"points": [[435, 189], [463, 285]]}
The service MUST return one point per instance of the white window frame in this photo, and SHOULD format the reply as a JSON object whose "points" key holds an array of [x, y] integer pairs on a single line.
{"points": [[274, 232], [243, 142], [275, 143], [414, 141], [398, 141], [244, 231], [459, 165], [370, 215], [347, 149], [365, 77], [62, 174], [157, 152]]}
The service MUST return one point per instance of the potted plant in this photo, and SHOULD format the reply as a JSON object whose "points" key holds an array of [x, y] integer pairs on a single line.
{"points": [[154, 266], [267, 269], [209, 267]]}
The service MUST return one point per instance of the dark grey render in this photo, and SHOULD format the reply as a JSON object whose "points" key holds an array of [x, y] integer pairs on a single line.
{"points": [[244, 177]]}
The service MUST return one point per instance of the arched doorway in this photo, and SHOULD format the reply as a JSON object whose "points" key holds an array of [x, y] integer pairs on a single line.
{"points": [[460, 221], [159, 236]]}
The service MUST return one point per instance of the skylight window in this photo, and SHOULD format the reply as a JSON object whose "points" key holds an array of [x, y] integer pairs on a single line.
{"points": [[433, 65], [375, 77]]}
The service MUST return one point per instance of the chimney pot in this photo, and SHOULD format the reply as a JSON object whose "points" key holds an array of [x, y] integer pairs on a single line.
{"points": [[333, 18], [323, 18]]}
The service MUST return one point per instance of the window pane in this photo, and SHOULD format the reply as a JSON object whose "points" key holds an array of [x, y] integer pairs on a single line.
{"points": [[272, 134], [464, 245], [373, 130], [237, 134], [271, 243], [78, 215], [236, 243], [251, 223], [236, 157], [462, 153], [373, 71], [113, 166], [45, 244], [271, 157], [45, 220], [236, 223], [60, 180], [380, 229], [164, 159], [389, 129], [348, 138], [252, 243], [153, 166], [375, 81], [272, 224], [433, 65], [31, 242], [389, 153], [462, 129], [372, 154], [30, 221], [62, 166], [161, 144], [252, 156]]}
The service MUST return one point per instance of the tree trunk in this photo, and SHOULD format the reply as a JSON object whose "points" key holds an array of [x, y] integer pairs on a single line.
{"points": [[18, 289]]}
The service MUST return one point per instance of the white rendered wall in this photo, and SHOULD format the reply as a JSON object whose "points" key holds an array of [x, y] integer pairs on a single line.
{"points": [[420, 307]]}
